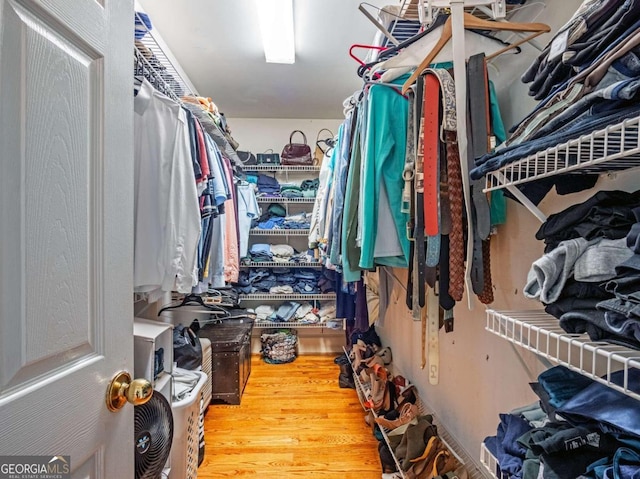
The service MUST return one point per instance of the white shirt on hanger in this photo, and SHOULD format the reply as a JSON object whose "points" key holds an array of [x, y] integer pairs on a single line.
{"points": [[166, 208]]}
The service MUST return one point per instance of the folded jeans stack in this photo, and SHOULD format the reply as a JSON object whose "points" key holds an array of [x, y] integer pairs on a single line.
{"points": [[595, 82], [584, 425], [268, 185]]}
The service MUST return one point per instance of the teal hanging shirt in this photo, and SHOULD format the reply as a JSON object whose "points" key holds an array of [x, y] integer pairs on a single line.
{"points": [[383, 164]]}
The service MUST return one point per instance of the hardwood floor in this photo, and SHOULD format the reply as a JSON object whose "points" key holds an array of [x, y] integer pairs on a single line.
{"points": [[294, 422]]}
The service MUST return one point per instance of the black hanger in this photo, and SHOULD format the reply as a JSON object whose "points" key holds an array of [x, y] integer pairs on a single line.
{"points": [[196, 300]]}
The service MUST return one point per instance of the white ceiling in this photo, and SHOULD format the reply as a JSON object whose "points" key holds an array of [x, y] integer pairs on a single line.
{"points": [[217, 43]]}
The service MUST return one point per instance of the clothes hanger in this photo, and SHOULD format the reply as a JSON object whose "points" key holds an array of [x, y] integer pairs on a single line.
{"points": [[476, 41], [369, 83], [196, 300], [472, 22], [439, 20], [367, 47]]}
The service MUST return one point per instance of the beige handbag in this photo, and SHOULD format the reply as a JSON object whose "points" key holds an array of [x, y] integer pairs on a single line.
{"points": [[322, 146]]}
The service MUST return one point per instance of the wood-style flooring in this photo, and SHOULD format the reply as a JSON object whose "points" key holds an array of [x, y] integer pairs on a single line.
{"points": [[294, 422]]}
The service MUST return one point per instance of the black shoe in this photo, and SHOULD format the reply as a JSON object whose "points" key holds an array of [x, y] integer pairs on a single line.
{"points": [[345, 382], [342, 359]]}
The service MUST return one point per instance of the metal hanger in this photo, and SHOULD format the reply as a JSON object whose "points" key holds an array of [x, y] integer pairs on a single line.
{"points": [[196, 300]]}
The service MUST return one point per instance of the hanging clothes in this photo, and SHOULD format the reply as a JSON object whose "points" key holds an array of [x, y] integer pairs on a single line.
{"points": [[166, 209], [382, 183], [248, 209]]}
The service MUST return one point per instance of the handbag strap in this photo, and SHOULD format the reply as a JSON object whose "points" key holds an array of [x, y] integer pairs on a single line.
{"points": [[270, 150], [189, 335], [297, 131], [324, 129]]}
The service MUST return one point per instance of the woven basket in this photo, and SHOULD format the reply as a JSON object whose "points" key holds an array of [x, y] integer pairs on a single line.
{"points": [[279, 346]]}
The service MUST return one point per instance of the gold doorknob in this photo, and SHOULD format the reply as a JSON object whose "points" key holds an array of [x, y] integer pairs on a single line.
{"points": [[123, 389]]}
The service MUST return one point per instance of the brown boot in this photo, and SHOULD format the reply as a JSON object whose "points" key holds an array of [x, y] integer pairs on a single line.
{"points": [[407, 412]]}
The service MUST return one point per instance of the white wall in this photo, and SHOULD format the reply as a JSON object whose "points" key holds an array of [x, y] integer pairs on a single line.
{"points": [[259, 134], [482, 375]]}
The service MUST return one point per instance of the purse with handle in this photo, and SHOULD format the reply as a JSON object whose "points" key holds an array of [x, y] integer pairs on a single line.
{"points": [[296, 153], [268, 158], [323, 145]]}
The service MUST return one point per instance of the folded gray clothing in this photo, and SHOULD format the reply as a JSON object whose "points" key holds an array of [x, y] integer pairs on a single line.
{"points": [[587, 260], [287, 310], [264, 312], [599, 261]]}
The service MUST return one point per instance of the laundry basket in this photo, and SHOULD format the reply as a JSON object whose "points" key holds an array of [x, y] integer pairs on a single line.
{"points": [[279, 346], [184, 451], [206, 367]]}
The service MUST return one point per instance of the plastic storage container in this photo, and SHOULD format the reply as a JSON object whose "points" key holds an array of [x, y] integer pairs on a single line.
{"points": [[184, 451]]}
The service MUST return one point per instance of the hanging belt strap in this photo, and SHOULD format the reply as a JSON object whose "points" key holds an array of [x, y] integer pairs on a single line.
{"points": [[407, 193], [433, 327], [419, 196], [480, 133], [478, 90], [431, 168]]}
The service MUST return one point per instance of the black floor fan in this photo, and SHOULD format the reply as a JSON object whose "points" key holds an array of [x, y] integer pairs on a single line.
{"points": [[153, 436]]}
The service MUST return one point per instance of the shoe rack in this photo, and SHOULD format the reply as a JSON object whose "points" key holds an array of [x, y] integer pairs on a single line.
{"points": [[364, 392]]}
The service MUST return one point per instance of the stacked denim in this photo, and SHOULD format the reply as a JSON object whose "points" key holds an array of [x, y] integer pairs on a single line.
{"points": [[272, 280], [594, 83], [260, 252], [590, 274], [577, 429], [270, 220], [300, 221], [268, 185], [293, 311], [596, 25], [622, 312]]}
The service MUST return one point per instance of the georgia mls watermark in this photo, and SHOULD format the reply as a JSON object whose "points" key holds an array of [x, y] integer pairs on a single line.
{"points": [[35, 467]]}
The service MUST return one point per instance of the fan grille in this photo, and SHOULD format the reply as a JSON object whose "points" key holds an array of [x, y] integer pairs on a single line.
{"points": [[153, 435]]}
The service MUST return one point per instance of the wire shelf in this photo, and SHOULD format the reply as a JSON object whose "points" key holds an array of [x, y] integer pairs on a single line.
{"points": [[490, 463], [284, 199], [296, 325], [276, 264], [156, 65], [280, 168], [540, 333], [614, 148], [279, 232], [449, 441], [410, 8], [287, 297]]}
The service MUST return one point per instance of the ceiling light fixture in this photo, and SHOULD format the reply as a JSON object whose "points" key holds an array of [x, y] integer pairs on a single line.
{"points": [[276, 26]]}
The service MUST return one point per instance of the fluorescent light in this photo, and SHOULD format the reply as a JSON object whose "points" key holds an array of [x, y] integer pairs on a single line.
{"points": [[276, 26]]}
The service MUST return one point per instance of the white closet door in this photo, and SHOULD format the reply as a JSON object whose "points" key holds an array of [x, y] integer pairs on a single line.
{"points": [[66, 230]]}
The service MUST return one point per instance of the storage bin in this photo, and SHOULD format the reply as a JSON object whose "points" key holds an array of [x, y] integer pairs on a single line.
{"points": [[185, 447], [230, 358], [279, 346], [206, 368]]}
